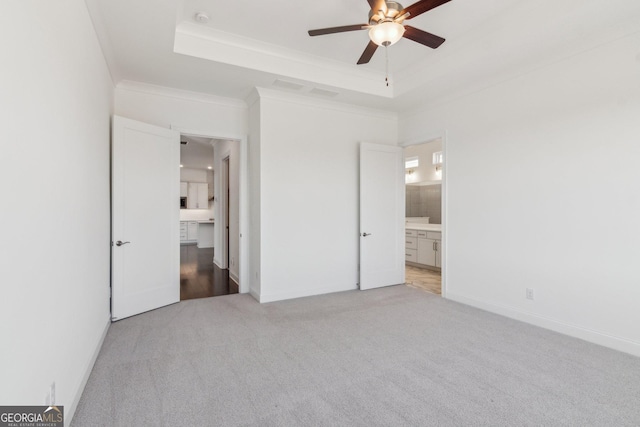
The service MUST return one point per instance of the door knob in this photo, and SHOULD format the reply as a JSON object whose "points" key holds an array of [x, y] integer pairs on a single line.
{"points": [[366, 234], [120, 243]]}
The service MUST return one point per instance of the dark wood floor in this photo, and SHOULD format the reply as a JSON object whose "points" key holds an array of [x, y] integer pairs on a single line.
{"points": [[199, 277]]}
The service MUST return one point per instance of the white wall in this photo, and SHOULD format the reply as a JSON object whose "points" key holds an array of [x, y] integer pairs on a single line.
{"points": [[309, 192], [254, 172], [195, 175], [55, 107], [222, 150], [552, 159], [193, 113]]}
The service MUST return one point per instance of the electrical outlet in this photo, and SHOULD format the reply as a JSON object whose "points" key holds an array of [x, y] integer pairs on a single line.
{"points": [[530, 294], [52, 394]]}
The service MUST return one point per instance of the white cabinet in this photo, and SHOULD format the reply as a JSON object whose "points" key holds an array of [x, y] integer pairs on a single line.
{"points": [[411, 246], [423, 247], [192, 230], [183, 231], [188, 231], [203, 196], [193, 195], [198, 195], [205, 234], [428, 252], [184, 191]]}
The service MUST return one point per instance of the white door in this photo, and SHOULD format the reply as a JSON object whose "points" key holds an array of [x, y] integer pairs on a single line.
{"points": [[145, 245], [382, 220]]}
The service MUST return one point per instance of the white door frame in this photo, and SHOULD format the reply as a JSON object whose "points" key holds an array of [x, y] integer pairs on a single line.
{"points": [[243, 196], [224, 209], [442, 135]]}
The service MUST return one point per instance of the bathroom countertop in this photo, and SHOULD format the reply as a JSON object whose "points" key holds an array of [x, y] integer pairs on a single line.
{"points": [[423, 227]]}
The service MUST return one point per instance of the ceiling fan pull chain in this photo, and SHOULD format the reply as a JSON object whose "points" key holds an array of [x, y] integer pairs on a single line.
{"points": [[386, 67]]}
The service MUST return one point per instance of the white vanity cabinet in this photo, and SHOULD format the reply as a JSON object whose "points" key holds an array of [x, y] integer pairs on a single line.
{"points": [[429, 248], [423, 247], [411, 245]]}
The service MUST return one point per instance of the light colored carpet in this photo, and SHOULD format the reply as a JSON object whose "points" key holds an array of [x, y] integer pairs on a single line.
{"points": [[387, 357]]}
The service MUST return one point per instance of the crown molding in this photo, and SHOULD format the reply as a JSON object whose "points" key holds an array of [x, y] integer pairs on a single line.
{"points": [[151, 89], [253, 97]]}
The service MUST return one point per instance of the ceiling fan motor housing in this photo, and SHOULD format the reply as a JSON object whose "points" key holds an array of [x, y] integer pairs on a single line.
{"points": [[393, 8]]}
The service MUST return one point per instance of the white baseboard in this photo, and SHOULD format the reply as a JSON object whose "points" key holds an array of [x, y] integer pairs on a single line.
{"points": [[255, 294], [596, 337], [305, 293], [70, 410]]}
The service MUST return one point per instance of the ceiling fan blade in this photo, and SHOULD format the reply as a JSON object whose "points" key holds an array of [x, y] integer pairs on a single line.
{"points": [[421, 7], [333, 30], [377, 5], [368, 53], [422, 37]]}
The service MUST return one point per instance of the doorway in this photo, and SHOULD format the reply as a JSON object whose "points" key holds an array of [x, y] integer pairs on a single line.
{"points": [[200, 275], [424, 180]]}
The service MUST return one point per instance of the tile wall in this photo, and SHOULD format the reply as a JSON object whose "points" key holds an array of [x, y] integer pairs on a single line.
{"points": [[425, 200]]}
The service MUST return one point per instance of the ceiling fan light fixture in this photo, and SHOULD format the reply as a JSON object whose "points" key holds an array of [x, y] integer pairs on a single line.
{"points": [[386, 26], [386, 33]]}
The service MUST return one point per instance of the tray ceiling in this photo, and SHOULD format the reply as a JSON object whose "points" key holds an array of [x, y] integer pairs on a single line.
{"points": [[249, 43]]}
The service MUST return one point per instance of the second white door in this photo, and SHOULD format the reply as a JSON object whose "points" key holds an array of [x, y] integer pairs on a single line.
{"points": [[382, 206]]}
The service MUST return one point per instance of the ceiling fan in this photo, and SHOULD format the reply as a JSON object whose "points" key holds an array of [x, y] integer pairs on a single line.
{"points": [[386, 26]]}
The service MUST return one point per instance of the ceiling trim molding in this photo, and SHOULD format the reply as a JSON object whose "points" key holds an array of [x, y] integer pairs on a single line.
{"points": [[204, 42], [426, 138], [151, 89], [253, 97]]}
